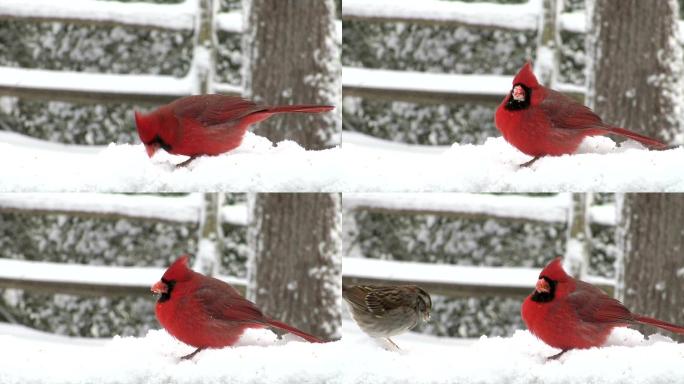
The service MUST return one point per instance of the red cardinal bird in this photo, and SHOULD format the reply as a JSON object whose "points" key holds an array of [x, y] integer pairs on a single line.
{"points": [[542, 122], [206, 124], [206, 312], [566, 313]]}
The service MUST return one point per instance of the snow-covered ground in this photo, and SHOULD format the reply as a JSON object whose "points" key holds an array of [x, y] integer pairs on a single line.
{"points": [[261, 358], [258, 165]]}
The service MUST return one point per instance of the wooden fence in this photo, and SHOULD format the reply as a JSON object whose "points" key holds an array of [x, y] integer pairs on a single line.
{"points": [[449, 280]]}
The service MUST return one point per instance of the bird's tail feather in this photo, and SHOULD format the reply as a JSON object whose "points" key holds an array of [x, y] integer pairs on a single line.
{"points": [[306, 336], [659, 323], [300, 108], [645, 140]]}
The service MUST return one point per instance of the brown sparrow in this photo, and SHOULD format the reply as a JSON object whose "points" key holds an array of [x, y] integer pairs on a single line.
{"points": [[385, 311]]}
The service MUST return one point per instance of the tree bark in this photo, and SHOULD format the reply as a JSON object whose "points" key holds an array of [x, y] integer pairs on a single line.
{"points": [[208, 260], [295, 271], [650, 237], [635, 65], [578, 245], [292, 57]]}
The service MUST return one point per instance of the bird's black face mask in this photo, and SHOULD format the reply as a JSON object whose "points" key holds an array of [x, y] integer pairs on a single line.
{"points": [[519, 98]]}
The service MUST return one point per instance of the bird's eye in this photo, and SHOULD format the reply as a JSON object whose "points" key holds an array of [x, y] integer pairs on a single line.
{"points": [[518, 93]]}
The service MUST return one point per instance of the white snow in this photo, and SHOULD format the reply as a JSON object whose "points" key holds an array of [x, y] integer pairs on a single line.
{"points": [[43, 79], [259, 357], [257, 165], [167, 208], [364, 140], [599, 165], [86, 275], [514, 16], [168, 16], [603, 214], [229, 21]]}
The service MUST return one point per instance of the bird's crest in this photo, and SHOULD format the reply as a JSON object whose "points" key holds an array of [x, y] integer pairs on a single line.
{"points": [[526, 77], [179, 270], [554, 270]]}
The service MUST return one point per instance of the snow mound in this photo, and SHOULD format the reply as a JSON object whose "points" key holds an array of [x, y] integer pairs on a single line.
{"points": [[260, 166], [257, 165], [262, 358], [598, 165]]}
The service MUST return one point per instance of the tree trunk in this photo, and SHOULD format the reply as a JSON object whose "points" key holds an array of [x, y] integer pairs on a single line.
{"points": [[635, 65], [208, 258], [578, 245], [292, 57], [650, 237], [549, 43], [295, 272]]}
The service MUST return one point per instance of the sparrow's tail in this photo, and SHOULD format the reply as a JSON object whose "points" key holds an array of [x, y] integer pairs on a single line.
{"points": [[645, 140], [659, 323], [288, 328]]}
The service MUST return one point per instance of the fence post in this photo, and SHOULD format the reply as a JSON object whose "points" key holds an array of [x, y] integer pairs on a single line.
{"points": [[548, 42], [578, 245], [204, 54], [209, 247]]}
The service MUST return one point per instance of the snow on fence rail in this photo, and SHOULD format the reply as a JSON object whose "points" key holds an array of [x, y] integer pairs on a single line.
{"points": [[80, 279], [532, 208], [432, 87], [152, 207], [450, 280], [501, 16], [441, 279]]}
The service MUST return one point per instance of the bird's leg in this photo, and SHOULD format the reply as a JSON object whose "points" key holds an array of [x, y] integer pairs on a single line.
{"points": [[557, 355], [191, 355], [186, 162], [393, 343], [529, 163]]}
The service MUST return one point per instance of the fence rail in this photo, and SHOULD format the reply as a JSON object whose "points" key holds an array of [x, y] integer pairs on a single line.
{"points": [[448, 280], [553, 209], [439, 279], [85, 280], [184, 209], [437, 12]]}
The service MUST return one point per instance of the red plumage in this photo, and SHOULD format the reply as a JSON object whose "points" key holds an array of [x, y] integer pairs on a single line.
{"points": [[567, 313], [205, 312], [206, 124], [541, 122]]}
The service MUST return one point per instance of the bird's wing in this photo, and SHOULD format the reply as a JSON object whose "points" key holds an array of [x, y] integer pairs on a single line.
{"points": [[377, 299], [212, 110], [223, 302], [593, 305], [356, 296], [565, 112]]}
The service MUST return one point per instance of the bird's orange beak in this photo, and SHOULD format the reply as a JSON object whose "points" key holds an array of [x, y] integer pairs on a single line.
{"points": [[151, 149], [160, 287], [543, 286]]}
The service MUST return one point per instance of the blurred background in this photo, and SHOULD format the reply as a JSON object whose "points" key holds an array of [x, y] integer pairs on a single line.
{"points": [[414, 43], [106, 58], [629, 245], [82, 264]]}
